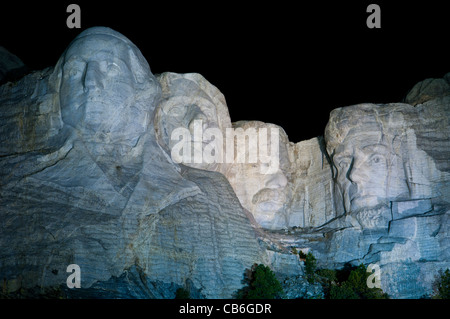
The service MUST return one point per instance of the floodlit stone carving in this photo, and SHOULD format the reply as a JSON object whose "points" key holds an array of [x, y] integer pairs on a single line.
{"points": [[85, 182], [88, 178], [189, 100], [380, 156], [261, 192]]}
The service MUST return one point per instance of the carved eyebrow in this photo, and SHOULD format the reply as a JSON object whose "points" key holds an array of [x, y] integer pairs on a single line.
{"points": [[120, 63], [99, 56], [114, 59], [341, 157], [74, 58], [376, 148]]}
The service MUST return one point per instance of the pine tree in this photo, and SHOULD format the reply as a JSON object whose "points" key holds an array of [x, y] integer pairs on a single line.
{"points": [[261, 284]]}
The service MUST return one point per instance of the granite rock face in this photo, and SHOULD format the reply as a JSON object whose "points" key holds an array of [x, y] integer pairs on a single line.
{"points": [[260, 191], [193, 105], [88, 177], [428, 89], [84, 181], [391, 173], [390, 153], [311, 186], [296, 193]]}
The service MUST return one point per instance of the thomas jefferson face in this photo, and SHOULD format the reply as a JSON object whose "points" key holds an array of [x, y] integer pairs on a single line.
{"points": [[98, 89], [190, 102], [192, 116]]}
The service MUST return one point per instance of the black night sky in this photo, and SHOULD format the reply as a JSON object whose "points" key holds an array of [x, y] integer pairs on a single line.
{"points": [[287, 63]]}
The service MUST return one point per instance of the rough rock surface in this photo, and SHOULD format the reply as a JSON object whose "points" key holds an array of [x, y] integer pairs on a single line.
{"points": [[86, 177], [428, 89], [260, 190], [298, 194], [391, 172], [310, 185], [83, 183], [298, 287], [187, 98]]}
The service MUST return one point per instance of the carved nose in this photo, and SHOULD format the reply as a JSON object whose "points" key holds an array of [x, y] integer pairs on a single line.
{"points": [[351, 174], [93, 78], [356, 174]]}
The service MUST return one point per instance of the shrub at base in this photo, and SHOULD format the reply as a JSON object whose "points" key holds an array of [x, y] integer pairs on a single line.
{"points": [[355, 287], [261, 283], [442, 286], [310, 267], [182, 293]]}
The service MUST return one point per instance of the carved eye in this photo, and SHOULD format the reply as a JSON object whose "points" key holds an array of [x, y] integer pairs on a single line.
{"points": [[75, 71], [113, 69], [376, 159]]}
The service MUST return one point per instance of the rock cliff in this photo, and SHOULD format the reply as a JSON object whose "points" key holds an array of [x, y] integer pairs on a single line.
{"points": [[81, 183], [88, 177]]}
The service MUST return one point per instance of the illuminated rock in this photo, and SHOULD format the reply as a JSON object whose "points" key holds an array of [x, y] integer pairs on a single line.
{"points": [[84, 181], [87, 177]]}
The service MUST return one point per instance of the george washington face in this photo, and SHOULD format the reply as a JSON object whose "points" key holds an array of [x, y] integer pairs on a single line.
{"points": [[100, 84]]}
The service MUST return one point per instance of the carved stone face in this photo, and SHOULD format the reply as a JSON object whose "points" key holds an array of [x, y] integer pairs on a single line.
{"points": [[363, 171], [190, 102], [263, 194], [369, 170], [101, 78]]}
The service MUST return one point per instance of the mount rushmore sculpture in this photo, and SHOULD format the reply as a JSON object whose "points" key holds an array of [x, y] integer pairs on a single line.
{"points": [[88, 177]]}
